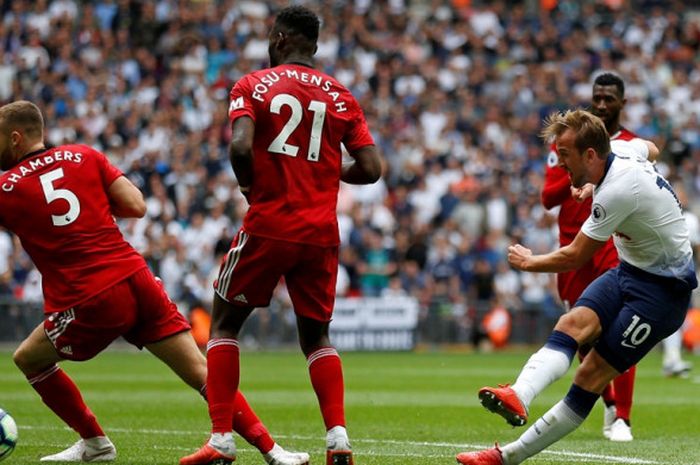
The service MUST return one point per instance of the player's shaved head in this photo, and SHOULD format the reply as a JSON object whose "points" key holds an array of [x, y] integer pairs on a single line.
{"points": [[589, 129], [611, 79], [298, 20], [294, 36], [21, 131], [22, 116]]}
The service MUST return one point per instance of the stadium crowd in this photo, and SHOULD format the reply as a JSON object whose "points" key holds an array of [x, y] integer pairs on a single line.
{"points": [[454, 92]]}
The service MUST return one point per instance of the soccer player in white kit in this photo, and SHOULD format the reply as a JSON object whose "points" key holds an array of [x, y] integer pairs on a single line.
{"points": [[625, 312]]}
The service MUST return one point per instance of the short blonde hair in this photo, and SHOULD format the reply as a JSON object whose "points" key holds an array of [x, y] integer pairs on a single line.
{"points": [[23, 116], [590, 130]]}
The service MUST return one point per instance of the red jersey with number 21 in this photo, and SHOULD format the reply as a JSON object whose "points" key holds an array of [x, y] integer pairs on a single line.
{"points": [[302, 116], [56, 202]]}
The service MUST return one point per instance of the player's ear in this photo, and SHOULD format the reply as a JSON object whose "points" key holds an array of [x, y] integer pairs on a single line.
{"points": [[590, 153], [16, 138]]}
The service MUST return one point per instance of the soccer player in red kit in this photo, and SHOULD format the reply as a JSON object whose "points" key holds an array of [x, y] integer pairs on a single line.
{"points": [[608, 99], [60, 202], [289, 122]]}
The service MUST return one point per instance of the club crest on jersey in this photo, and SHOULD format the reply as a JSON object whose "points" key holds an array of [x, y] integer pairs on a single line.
{"points": [[598, 212], [552, 159]]}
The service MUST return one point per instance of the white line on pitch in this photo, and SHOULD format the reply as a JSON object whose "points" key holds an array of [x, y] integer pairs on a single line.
{"points": [[577, 456]]}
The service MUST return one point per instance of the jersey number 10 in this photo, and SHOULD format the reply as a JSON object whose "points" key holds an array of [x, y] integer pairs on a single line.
{"points": [[279, 144]]}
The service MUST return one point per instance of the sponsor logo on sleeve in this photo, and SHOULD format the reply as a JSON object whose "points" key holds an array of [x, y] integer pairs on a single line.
{"points": [[236, 104]]}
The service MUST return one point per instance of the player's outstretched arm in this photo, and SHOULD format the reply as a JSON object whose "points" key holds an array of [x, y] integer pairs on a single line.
{"points": [[653, 150], [366, 167], [567, 258], [126, 199]]}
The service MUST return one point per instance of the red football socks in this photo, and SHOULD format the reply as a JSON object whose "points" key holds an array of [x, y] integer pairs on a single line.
{"points": [[223, 374], [62, 396], [624, 389], [326, 374], [608, 395], [248, 425]]}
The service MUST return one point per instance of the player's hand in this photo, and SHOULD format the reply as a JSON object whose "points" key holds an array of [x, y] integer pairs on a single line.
{"points": [[518, 256], [582, 193]]}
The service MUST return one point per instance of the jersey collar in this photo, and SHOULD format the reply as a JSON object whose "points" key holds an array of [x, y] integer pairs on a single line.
{"points": [[608, 163], [33, 154]]}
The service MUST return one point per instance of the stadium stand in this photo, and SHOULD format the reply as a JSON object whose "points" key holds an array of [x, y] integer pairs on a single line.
{"points": [[455, 92]]}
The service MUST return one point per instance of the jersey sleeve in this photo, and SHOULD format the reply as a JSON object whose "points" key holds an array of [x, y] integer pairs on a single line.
{"points": [[610, 208], [241, 100], [633, 149], [557, 185], [357, 135], [108, 172]]}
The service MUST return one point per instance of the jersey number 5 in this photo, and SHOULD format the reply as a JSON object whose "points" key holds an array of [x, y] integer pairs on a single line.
{"points": [[280, 145], [52, 194]]}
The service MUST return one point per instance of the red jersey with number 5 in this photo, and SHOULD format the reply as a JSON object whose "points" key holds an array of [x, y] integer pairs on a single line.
{"points": [[302, 117], [56, 202]]}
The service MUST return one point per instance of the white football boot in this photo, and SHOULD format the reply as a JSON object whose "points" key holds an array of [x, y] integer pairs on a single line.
{"points": [[338, 449], [620, 431], [279, 456], [97, 449], [609, 416], [680, 369]]}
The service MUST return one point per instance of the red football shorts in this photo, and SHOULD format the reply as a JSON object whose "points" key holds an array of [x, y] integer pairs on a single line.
{"points": [[572, 283], [137, 308], [254, 265]]}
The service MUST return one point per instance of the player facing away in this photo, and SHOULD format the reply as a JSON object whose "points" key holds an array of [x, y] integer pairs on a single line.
{"points": [[625, 312], [60, 202], [289, 122], [607, 102]]}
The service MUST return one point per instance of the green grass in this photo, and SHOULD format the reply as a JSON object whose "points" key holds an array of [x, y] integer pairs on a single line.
{"points": [[401, 408]]}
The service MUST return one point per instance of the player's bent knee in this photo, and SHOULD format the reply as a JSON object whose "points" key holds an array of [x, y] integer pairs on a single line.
{"points": [[594, 373], [581, 324], [24, 360]]}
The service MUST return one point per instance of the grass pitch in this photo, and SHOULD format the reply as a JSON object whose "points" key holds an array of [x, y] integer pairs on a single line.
{"points": [[402, 408]]}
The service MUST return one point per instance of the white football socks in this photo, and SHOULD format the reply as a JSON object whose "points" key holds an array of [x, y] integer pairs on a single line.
{"points": [[223, 442], [672, 349], [98, 442], [559, 421], [543, 368], [337, 439]]}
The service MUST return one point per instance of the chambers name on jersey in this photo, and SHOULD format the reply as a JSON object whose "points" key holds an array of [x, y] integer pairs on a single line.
{"points": [[55, 200], [302, 117]]}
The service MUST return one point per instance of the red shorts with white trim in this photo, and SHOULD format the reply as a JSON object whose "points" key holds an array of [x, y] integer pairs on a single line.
{"points": [[137, 308], [254, 265]]}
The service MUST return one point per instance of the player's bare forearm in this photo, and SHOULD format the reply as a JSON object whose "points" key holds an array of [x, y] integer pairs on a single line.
{"points": [[242, 164], [558, 261], [366, 167], [653, 151], [567, 258], [241, 150]]}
